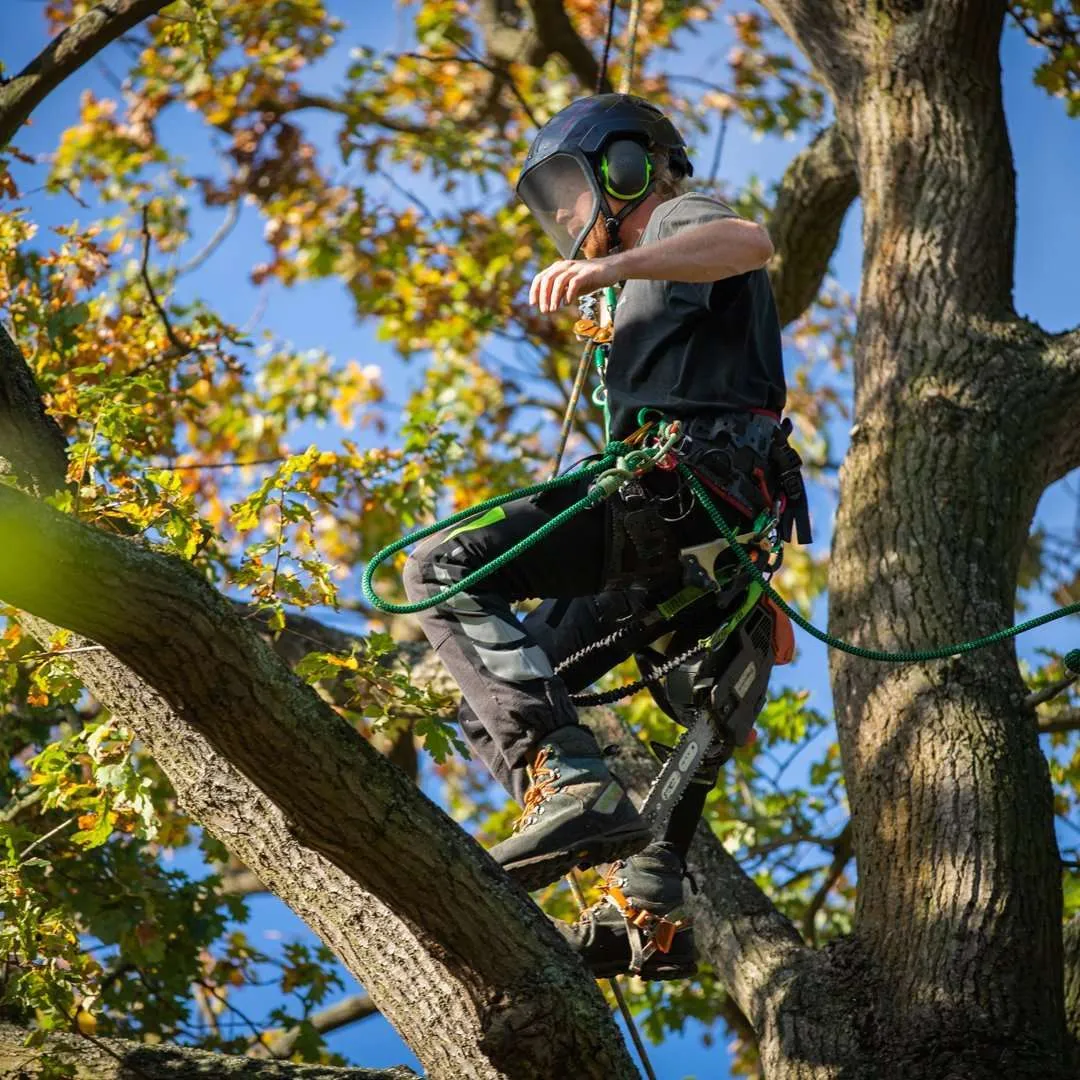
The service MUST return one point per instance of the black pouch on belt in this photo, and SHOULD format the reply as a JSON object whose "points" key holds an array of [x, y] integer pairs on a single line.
{"points": [[642, 546], [785, 467]]}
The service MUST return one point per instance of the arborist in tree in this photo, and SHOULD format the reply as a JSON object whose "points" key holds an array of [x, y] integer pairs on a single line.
{"points": [[696, 345]]}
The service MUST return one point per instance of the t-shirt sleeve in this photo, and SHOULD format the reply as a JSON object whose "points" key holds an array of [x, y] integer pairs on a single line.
{"points": [[686, 212]]}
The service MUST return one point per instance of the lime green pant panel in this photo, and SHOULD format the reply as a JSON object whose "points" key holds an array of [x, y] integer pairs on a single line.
{"points": [[496, 513]]}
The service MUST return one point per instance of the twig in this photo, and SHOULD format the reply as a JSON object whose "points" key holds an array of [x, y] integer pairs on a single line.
{"points": [[411, 196], [769, 846], [347, 1011], [1069, 720], [627, 81], [1048, 692], [181, 348], [232, 216], [215, 464], [209, 1017], [213, 992], [601, 77], [41, 839], [719, 148], [85, 464], [61, 652], [498, 73], [280, 542], [571, 407], [14, 808]]}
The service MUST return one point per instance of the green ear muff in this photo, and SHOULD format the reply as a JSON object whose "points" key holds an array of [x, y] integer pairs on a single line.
{"points": [[626, 170]]}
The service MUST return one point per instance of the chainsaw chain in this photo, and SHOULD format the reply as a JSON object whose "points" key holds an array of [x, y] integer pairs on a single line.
{"points": [[607, 697], [601, 643]]}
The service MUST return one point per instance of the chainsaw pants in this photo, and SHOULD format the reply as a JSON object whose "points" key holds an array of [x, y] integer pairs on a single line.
{"points": [[505, 665]]}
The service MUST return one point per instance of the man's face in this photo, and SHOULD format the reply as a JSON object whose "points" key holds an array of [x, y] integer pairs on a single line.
{"points": [[574, 219]]}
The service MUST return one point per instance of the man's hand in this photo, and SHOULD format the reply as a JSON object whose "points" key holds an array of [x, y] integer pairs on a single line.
{"points": [[566, 280]]}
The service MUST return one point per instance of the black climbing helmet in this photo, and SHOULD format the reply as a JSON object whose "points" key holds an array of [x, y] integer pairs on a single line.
{"points": [[594, 148]]}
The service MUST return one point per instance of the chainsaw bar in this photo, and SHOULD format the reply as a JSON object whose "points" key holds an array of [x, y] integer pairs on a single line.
{"points": [[678, 770]]}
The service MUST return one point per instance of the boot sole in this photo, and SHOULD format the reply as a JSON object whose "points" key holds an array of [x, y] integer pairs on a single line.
{"points": [[542, 870]]}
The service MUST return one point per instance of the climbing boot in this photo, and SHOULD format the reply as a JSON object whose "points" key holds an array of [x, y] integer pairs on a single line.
{"points": [[638, 927], [576, 813]]}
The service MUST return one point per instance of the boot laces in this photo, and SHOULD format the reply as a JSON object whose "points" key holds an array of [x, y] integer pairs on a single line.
{"points": [[541, 787], [610, 879]]}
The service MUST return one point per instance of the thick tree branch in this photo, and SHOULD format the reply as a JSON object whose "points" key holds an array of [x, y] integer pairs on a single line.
{"points": [[65, 54], [815, 193], [507, 34], [1068, 720], [830, 33], [353, 110], [289, 787], [511, 36], [339, 797], [397, 961], [240, 881], [122, 1059], [1061, 364], [1048, 693], [332, 1018], [557, 35]]}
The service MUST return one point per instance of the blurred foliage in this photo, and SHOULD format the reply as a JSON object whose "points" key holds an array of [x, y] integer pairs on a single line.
{"points": [[275, 467], [1053, 26]]}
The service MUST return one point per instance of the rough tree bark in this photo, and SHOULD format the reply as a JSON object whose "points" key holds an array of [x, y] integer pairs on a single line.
{"points": [[1072, 991], [66, 53], [958, 411], [117, 1059]]}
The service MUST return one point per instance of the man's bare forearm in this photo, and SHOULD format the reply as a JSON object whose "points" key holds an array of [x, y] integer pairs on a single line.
{"points": [[709, 252]]}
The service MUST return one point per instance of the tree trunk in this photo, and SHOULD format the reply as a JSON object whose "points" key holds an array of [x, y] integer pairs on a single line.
{"points": [[958, 916]]}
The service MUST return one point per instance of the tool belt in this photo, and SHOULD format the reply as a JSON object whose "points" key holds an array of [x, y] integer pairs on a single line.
{"points": [[747, 461]]}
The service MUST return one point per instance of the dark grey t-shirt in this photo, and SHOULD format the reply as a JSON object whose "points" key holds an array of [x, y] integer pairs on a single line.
{"points": [[693, 350]]}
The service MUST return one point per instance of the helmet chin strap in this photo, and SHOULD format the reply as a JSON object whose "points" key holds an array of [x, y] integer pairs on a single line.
{"points": [[612, 220]]}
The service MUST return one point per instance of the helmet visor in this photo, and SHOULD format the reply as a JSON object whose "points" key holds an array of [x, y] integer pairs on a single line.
{"points": [[562, 194]]}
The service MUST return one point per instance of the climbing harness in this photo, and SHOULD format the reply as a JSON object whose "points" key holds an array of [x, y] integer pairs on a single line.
{"points": [[715, 686], [621, 462]]}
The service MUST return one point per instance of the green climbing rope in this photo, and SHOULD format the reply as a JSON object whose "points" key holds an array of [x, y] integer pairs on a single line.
{"points": [[912, 657], [619, 463]]}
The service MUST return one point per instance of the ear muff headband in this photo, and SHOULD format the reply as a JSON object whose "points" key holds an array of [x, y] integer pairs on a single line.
{"points": [[626, 170]]}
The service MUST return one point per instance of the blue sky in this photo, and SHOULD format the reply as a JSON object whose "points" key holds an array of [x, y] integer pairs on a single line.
{"points": [[1046, 147]]}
